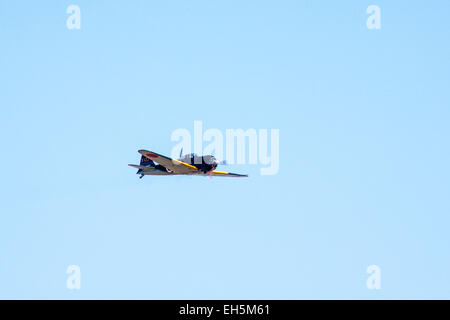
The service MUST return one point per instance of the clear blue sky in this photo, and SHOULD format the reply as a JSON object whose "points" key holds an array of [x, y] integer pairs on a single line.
{"points": [[364, 149]]}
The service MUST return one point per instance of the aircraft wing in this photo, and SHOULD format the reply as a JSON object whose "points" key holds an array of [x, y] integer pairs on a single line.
{"points": [[178, 167], [227, 174]]}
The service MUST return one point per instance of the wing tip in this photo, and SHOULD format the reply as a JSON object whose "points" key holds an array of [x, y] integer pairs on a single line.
{"points": [[231, 174], [240, 175]]}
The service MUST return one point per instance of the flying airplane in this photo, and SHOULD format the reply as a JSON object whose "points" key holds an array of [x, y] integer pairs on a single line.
{"points": [[190, 164]]}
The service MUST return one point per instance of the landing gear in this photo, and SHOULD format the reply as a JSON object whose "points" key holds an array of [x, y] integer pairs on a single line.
{"points": [[141, 176]]}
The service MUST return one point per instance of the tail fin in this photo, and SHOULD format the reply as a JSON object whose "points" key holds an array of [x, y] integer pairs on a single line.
{"points": [[146, 161]]}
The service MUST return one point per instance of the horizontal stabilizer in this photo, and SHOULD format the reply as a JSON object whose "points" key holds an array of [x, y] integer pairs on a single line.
{"points": [[140, 167]]}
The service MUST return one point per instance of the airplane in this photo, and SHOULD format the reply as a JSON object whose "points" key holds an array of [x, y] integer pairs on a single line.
{"points": [[190, 164]]}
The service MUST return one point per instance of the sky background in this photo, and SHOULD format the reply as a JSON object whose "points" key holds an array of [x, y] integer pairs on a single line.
{"points": [[364, 149]]}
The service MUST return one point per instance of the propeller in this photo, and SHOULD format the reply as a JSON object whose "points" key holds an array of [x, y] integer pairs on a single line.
{"points": [[181, 152]]}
